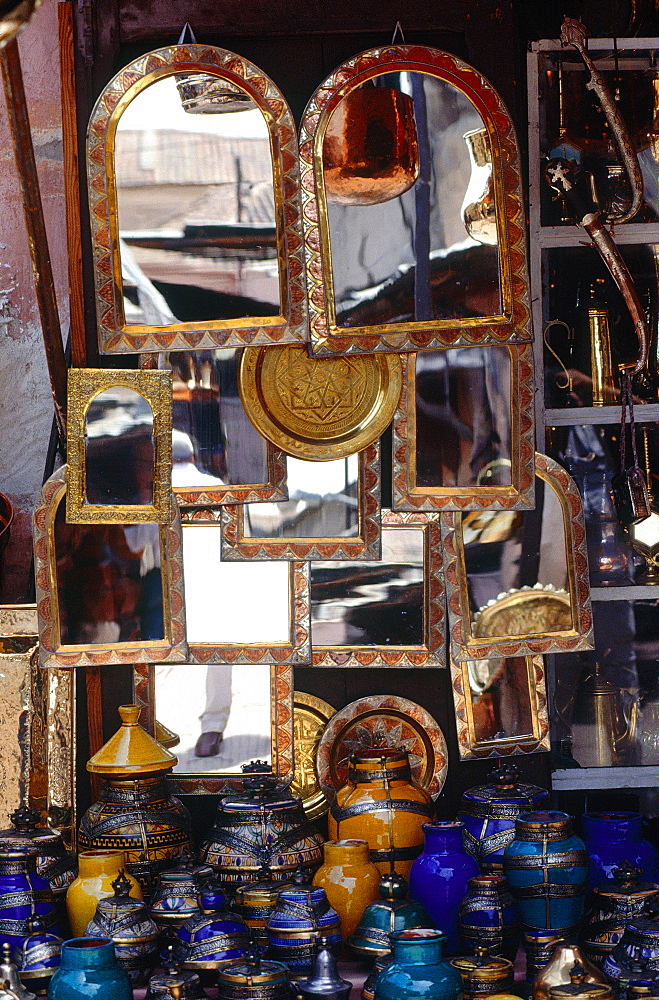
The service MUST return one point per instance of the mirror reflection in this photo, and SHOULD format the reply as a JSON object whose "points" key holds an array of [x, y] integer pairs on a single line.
{"points": [[119, 448], [195, 199], [501, 698], [410, 204]]}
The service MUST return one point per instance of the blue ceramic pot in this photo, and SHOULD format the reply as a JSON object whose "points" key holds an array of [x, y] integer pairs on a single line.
{"points": [[23, 895], [439, 877], [612, 838], [546, 867], [210, 939], [488, 917], [301, 915], [89, 971], [418, 971]]}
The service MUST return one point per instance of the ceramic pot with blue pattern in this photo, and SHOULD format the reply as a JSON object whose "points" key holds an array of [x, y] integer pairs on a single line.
{"points": [[128, 922], [24, 894], [212, 937], [301, 916], [488, 917]]}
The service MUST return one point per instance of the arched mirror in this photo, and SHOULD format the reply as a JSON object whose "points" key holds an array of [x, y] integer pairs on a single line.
{"points": [[119, 446], [464, 430], [106, 593], [194, 201], [413, 209], [517, 581]]}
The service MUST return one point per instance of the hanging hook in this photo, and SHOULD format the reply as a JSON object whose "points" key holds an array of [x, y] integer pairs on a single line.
{"points": [[187, 31], [570, 333], [398, 30]]}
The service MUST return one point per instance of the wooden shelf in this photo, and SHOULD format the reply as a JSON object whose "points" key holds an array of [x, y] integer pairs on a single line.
{"points": [[574, 416], [573, 778], [638, 592]]}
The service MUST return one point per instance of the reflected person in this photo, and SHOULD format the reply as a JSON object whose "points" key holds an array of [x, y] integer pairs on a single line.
{"points": [[216, 710]]}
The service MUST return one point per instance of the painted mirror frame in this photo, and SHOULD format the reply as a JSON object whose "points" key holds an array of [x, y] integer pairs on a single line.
{"points": [[431, 652], [172, 648], [85, 385], [114, 335], [574, 603], [526, 685], [513, 324], [281, 700], [519, 494]]}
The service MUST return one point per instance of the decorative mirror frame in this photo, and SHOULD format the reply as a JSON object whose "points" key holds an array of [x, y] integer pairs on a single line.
{"points": [[114, 335], [281, 699], [514, 324], [519, 494], [364, 545], [469, 746], [52, 653], [432, 653], [464, 645], [84, 384]]}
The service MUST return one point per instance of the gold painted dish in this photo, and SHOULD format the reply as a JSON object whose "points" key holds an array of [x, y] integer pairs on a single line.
{"points": [[310, 716], [319, 409]]}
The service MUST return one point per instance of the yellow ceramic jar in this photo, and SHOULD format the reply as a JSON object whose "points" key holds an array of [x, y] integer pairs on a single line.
{"points": [[350, 880], [96, 873]]}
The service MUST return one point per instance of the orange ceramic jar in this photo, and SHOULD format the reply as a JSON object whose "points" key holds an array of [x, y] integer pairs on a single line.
{"points": [[96, 872], [383, 805], [350, 880]]}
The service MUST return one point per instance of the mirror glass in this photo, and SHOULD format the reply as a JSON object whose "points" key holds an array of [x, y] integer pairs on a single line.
{"points": [[463, 418], [500, 702], [119, 448], [195, 199], [410, 204], [192, 700]]}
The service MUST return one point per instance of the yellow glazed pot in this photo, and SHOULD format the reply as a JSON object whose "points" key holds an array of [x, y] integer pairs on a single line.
{"points": [[97, 870], [350, 880]]}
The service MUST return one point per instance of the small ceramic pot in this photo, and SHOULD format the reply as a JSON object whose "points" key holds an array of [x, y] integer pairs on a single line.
{"points": [[23, 895], [213, 937], [255, 901], [613, 839], [350, 880], [392, 912], [96, 872], [89, 970], [484, 975], [252, 978], [487, 917], [301, 916], [616, 903], [37, 958], [128, 923], [418, 971]]}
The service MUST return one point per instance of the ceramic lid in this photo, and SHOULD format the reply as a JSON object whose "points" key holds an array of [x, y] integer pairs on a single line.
{"points": [[131, 750], [626, 884], [25, 828], [505, 787]]}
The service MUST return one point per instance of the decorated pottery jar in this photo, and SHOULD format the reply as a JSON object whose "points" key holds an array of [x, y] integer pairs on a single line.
{"points": [[252, 978], [255, 901], [619, 901], [558, 970], [350, 880], [382, 804], [37, 957], [546, 867], [487, 917], [636, 955], [135, 811], [489, 813], [301, 916], [176, 895], [212, 937], [262, 825], [54, 863], [392, 912], [89, 969], [23, 895], [96, 873], [418, 971], [128, 922], [483, 975], [440, 875], [616, 838]]}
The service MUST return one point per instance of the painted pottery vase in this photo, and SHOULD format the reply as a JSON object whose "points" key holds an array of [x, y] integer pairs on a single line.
{"points": [[418, 971], [262, 825], [23, 895], [579, 989], [382, 804], [176, 896], [618, 902], [89, 970], [128, 922], [487, 917], [558, 969], [350, 880], [613, 838], [392, 912], [546, 867], [255, 901], [440, 876], [54, 863], [252, 978], [212, 937], [324, 980], [484, 975], [636, 956], [301, 916], [37, 957], [489, 813], [539, 947], [96, 873]]}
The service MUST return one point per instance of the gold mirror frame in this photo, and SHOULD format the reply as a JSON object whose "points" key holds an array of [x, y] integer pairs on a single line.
{"points": [[535, 693], [519, 494], [364, 545], [281, 699], [432, 652], [514, 323], [84, 385], [52, 653], [464, 644], [114, 335]]}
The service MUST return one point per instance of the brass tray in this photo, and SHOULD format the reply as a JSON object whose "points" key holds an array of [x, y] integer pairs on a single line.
{"points": [[319, 409], [524, 611], [310, 716], [383, 720]]}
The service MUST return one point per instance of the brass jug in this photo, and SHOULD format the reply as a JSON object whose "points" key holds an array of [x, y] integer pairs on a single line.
{"points": [[603, 730]]}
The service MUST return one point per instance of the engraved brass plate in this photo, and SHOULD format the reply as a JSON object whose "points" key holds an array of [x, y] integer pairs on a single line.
{"points": [[319, 409], [310, 716]]}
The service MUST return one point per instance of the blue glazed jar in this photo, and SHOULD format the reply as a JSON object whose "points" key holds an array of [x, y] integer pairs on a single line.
{"points": [[89, 971], [418, 971], [612, 838], [439, 877], [23, 895], [301, 915], [213, 937], [488, 917], [547, 870]]}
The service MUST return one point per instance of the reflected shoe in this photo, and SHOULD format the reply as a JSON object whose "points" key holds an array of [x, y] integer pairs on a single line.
{"points": [[208, 745]]}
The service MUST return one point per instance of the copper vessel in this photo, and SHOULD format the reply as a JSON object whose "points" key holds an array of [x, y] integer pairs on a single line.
{"points": [[370, 149]]}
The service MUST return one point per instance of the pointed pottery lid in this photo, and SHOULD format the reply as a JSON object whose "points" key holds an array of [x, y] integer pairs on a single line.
{"points": [[131, 750]]}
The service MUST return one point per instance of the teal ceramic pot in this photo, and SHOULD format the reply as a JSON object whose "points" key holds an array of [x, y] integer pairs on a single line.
{"points": [[418, 970], [546, 867], [89, 971]]}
